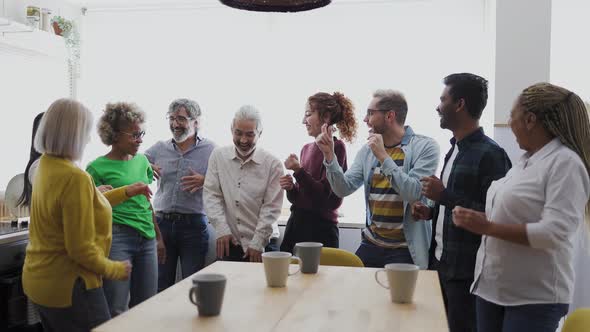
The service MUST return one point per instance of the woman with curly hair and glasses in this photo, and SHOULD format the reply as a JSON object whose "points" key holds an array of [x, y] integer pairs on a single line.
{"points": [[314, 209], [136, 236], [524, 274]]}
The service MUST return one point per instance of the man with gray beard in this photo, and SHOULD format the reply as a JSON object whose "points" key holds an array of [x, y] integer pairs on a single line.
{"points": [[180, 165]]}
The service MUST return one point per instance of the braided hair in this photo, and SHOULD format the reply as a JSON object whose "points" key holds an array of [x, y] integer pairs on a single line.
{"points": [[564, 115]]}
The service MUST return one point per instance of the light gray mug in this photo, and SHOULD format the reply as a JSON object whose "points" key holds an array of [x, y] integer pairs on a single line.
{"points": [[310, 253], [207, 293], [276, 267], [401, 281]]}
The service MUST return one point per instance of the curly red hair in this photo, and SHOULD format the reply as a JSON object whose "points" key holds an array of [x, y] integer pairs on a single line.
{"points": [[340, 110]]}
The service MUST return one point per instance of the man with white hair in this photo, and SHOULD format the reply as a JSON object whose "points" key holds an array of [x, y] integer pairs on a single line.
{"points": [[242, 193]]}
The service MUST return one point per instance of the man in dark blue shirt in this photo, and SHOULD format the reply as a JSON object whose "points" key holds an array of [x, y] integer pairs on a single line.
{"points": [[472, 163]]}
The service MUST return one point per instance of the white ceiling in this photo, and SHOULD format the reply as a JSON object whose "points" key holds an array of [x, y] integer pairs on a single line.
{"points": [[134, 3], [98, 4]]}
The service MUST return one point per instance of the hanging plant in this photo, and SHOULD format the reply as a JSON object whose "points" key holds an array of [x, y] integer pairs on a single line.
{"points": [[61, 26], [68, 30]]}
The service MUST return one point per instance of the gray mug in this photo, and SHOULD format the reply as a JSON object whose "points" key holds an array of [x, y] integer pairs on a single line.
{"points": [[310, 253], [207, 293]]}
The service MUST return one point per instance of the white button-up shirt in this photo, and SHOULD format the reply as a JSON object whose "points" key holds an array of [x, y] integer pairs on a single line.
{"points": [[244, 198], [547, 192]]}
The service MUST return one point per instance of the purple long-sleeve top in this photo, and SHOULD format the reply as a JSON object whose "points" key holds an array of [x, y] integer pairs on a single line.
{"points": [[312, 190]]}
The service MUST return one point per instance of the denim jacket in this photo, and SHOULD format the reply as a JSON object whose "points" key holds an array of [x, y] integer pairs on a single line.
{"points": [[421, 159]]}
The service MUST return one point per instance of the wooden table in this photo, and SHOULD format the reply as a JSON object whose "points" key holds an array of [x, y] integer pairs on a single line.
{"points": [[335, 299]]}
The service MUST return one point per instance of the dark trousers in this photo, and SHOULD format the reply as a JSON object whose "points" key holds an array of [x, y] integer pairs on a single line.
{"points": [[374, 256], [88, 310], [306, 226], [236, 253], [459, 302], [185, 236], [529, 317]]}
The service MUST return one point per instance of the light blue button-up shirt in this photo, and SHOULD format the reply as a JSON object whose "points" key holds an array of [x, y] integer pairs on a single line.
{"points": [[175, 164], [421, 159]]}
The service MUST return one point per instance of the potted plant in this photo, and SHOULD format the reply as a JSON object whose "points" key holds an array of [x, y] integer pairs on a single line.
{"points": [[68, 30], [61, 26]]}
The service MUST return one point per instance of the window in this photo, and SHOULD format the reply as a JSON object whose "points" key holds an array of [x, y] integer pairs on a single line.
{"points": [[224, 58]]}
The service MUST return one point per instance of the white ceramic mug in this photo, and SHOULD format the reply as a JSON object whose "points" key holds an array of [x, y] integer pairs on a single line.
{"points": [[276, 267], [401, 281]]}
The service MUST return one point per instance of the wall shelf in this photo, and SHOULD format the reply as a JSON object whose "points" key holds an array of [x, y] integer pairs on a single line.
{"points": [[20, 38]]}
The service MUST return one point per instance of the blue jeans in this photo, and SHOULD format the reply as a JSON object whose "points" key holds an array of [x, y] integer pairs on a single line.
{"points": [[375, 256], [529, 317], [128, 244], [88, 310], [186, 238]]}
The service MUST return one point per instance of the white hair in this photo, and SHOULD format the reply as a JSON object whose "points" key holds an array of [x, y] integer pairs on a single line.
{"points": [[248, 112], [64, 130]]}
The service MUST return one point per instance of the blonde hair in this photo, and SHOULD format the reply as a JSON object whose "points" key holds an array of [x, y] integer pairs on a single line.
{"points": [[64, 130], [115, 117], [564, 115]]}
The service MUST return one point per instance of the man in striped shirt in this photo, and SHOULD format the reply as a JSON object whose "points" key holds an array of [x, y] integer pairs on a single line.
{"points": [[389, 166]]}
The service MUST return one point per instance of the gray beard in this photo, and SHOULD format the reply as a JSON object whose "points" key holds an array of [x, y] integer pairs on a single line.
{"points": [[182, 137]]}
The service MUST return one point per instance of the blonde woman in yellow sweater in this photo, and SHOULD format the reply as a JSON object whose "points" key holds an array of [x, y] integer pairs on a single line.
{"points": [[70, 231]]}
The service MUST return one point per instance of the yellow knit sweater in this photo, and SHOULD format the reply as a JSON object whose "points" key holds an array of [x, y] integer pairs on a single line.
{"points": [[69, 235]]}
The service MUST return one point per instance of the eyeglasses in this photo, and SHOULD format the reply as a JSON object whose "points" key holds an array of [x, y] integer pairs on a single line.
{"points": [[179, 119], [135, 136]]}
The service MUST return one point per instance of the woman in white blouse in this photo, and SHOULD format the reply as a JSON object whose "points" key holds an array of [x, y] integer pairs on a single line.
{"points": [[524, 273]]}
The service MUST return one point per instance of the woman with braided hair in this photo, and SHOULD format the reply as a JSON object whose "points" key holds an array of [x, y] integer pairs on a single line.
{"points": [[314, 209], [524, 272]]}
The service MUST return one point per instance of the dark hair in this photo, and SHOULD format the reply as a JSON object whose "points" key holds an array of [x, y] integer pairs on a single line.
{"points": [[25, 197], [392, 100], [339, 108], [472, 89]]}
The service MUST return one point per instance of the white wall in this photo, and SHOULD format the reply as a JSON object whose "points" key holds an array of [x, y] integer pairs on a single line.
{"points": [[224, 58], [29, 83], [570, 67], [570, 49], [522, 47]]}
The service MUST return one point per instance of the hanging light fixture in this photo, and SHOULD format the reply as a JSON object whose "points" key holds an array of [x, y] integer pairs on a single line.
{"points": [[276, 5]]}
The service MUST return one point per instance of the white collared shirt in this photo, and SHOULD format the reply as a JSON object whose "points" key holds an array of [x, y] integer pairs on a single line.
{"points": [[438, 235], [547, 192], [244, 198]]}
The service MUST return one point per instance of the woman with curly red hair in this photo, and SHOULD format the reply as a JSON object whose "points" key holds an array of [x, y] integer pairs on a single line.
{"points": [[314, 209]]}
